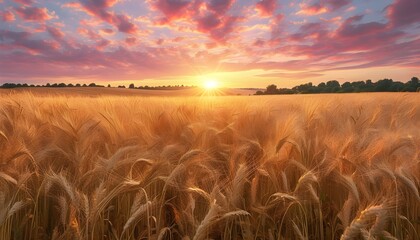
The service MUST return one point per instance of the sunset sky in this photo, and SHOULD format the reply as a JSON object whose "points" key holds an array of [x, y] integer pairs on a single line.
{"points": [[242, 43]]}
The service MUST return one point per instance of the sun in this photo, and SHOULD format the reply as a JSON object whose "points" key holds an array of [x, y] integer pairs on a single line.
{"points": [[210, 84]]}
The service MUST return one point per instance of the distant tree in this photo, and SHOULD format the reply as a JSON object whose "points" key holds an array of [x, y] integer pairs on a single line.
{"points": [[347, 87], [61, 85], [92, 85], [131, 85], [304, 88], [8, 85], [271, 89], [109, 85], [322, 85], [397, 87], [259, 92], [414, 81], [84, 85], [78, 85], [383, 85], [333, 84], [48, 85], [70, 85]]}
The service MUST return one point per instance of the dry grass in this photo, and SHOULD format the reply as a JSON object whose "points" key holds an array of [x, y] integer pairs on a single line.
{"points": [[281, 167]]}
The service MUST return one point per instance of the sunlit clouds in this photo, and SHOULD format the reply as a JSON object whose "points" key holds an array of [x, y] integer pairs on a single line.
{"points": [[251, 43]]}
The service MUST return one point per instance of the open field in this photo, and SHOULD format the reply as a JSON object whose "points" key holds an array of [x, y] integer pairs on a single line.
{"points": [[104, 91], [245, 167]]}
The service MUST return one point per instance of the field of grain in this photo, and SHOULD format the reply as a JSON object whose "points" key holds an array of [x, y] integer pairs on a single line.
{"points": [[268, 167]]}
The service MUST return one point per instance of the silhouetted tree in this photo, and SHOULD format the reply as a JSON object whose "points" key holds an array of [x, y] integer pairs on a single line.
{"points": [[131, 85], [271, 89], [383, 85]]}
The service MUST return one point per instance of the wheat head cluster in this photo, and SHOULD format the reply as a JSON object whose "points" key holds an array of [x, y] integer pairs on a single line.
{"points": [[254, 167]]}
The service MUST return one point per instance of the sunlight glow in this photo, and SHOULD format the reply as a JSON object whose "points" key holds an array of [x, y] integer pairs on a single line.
{"points": [[211, 84]]}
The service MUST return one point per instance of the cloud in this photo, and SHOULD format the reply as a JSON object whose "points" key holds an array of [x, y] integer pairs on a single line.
{"points": [[311, 10], [123, 24], [336, 4], [291, 75], [23, 40], [266, 7], [107, 31], [309, 31], [171, 9], [220, 6], [100, 9], [25, 2], [7, 16], [211, 17], [55, 32], [33, 13], [321, 7], [404, 12], [131, 41]]}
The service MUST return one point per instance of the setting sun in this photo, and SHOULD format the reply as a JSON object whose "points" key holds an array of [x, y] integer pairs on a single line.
{"points": [[211, 84]]}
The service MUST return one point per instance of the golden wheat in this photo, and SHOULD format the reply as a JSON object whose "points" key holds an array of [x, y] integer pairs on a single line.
{"points": [[267, 167]]}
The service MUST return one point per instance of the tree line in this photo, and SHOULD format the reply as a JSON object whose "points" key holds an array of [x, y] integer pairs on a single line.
{"points": [[62, 85], [333, 86]]}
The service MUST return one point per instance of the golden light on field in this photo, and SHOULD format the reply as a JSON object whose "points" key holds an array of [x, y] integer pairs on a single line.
{"points": [[231, 167]]}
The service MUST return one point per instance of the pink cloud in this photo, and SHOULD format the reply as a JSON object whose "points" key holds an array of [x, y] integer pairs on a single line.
{"points": [[336, 4], [310, 31], [55, 32], [123, 24], [218, 27], [210, 17], [349, 29], [404, 12], [107, 31], [259, 43], [266, 7], [7, 16], [220, 6], [350, 9], [349, 36], [103, 43], [23, 40], [293, 75], [33, 13], [92, 35], [131, 41], [209, 22], [171, 9], [25, 2], [321, 7], [100, 9], [311, 10]]}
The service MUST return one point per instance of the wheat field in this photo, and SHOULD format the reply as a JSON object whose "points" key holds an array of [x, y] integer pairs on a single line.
{"points": [[256, 167]]}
